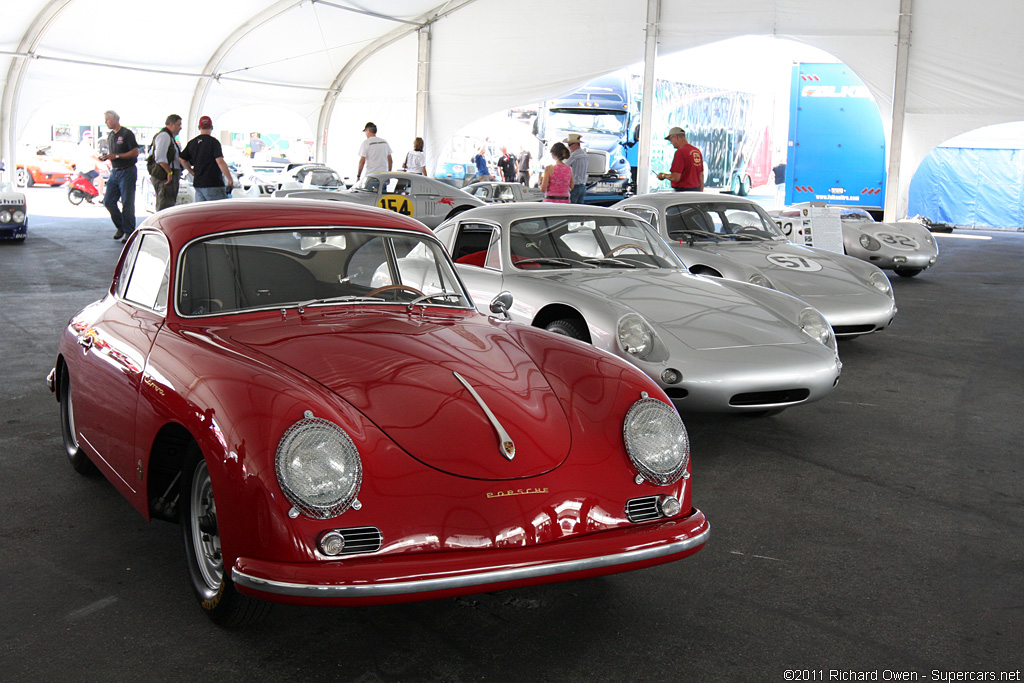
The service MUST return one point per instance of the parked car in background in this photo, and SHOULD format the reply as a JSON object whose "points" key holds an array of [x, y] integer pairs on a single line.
{"points": [[311, 176], [606, 278], [39, 167], [503, 193], [428, 200], [906, 247], [268, 374], [13, 214], [732, 237]]}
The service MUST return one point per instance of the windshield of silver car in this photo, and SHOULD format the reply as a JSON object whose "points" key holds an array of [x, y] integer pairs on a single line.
{"points": [[587, 242], [314, 266], [720, 221]]}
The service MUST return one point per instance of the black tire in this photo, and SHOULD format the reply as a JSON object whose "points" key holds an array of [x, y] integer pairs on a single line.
{"points": [[74, 197], [211, 584], [745, 186], [76, 456], [570, 327], [24, 178], [908, 272]]}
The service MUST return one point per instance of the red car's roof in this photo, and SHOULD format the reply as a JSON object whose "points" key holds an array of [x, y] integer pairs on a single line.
{"points": [[184, 223]]}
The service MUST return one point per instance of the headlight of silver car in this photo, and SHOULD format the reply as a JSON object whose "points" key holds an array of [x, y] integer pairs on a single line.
{"points": [[318, 468], [19, 216], [635, 336], [656, 441], [760, 280], [880, 282], [5, 216], [870, 243], [817, 328]]}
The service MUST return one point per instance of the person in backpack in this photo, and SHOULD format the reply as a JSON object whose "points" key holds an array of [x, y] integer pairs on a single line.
{"points": [[164, 164]]}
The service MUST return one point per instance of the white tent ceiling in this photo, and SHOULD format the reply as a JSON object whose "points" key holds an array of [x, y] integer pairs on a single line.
{"points": [[340, 63]]}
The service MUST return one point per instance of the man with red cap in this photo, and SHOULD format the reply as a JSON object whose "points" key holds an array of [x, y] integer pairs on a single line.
{"points": [[203, 157], [687, 172]]}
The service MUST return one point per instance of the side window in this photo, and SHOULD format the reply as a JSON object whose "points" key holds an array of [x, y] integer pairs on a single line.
{"points": [[400, 186], [474, 244], [300, 176], [504, 194], [150, 270], [648, 215]]}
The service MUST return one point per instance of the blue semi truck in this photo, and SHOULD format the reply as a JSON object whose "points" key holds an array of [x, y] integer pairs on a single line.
{"points": [[836, 150]]}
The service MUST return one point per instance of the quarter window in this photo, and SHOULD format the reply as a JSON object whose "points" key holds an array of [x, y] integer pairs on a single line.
{"points": [[148, 273]]}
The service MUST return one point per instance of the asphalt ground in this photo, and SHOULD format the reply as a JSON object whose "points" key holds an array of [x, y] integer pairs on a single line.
{"points": [[877, 532]]}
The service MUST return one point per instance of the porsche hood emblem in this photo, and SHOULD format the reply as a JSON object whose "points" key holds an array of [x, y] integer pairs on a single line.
{"points": [[508, 447]]}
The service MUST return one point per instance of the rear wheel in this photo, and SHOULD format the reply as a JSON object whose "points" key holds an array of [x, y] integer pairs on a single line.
{"points": [[76, 456], [25, 178], [74, 197], [570, 327], [908, 272], [210, 582], [745, 186]]}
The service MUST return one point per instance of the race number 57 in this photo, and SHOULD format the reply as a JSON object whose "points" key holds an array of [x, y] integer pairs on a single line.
{"points": [[794, 262], [396, 203]]}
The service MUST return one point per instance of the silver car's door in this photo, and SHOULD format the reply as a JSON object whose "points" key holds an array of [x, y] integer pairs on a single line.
{"points": [[476, 250], [424, 198]]}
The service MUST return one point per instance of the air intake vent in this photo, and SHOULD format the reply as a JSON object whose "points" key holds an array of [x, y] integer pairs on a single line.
{"points": [[643, 509], [764, 398], [361, 539]]}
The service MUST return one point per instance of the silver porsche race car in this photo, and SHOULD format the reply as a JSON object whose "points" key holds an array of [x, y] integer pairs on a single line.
{"points": [[497, 192], [905, 247], [427, 200], [606, 278], [732, 237]]}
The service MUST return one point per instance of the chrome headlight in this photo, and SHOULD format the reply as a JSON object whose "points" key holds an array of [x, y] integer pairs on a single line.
{"points": [[656, 441], [880, 282], [318, 468], [760, 280], [635, 336], [870, 243], [5, 216], [19, 216], [817, 328]]}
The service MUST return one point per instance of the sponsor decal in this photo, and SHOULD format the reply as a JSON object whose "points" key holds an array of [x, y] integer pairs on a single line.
{"points": [[833, 91]]}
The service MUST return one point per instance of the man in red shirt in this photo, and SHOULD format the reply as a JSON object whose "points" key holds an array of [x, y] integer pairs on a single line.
{"points": [[687, 172]]}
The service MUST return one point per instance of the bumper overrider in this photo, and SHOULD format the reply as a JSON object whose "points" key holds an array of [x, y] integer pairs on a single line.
{"points": [[381, 578]]}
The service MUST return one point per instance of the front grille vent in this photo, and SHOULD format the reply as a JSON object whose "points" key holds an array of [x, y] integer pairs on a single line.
{"points": [[762, 398], [361, 539], [643, 509]]}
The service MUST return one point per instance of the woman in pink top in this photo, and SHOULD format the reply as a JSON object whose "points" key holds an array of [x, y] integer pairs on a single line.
{"points": [[557, 180]]}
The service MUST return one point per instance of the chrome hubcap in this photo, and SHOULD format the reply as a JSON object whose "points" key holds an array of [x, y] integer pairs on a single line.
{"points": [[205, 538]]}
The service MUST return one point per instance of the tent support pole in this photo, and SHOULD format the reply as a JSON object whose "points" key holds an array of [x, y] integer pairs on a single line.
{"points": [[422, 79], [643, 172], [893, 200]]}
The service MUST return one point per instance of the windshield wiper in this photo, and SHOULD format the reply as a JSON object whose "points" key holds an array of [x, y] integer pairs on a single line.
{"points": [[556, 260], [620, 262], [331, 299], [440, 295], [694, 233]]}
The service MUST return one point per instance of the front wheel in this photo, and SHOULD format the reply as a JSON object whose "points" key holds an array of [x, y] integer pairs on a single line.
{"points": [[76, 456], [908, 272], [210, 582], [570, 327], [24, 178], [74, 197]]}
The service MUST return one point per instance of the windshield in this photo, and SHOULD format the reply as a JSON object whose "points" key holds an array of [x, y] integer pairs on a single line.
{"points": [[856, 215], [587, 242], [589, 123], [313, 266], [720, 221], [369, 183]]}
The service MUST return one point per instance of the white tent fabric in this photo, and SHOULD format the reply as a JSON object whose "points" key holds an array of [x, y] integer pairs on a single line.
{"points": [[337, 64]]}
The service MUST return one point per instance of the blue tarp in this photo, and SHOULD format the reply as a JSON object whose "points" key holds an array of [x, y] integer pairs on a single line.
{"points": [[970, 186]]}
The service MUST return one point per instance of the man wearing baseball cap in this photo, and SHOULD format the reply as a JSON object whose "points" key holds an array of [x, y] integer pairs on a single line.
{"points": [[203, 157], [374, 153], [687, 171]]}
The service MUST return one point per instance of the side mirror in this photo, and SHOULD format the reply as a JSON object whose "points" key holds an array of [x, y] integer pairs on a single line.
{"points": [[501, 304]]}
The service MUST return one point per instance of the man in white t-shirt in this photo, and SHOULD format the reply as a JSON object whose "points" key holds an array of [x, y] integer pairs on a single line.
{"points": [[374, 153]]}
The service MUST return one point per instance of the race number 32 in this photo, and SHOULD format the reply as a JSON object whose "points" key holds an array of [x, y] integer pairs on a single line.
{"points": [[794, 262], [396, 203]]}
